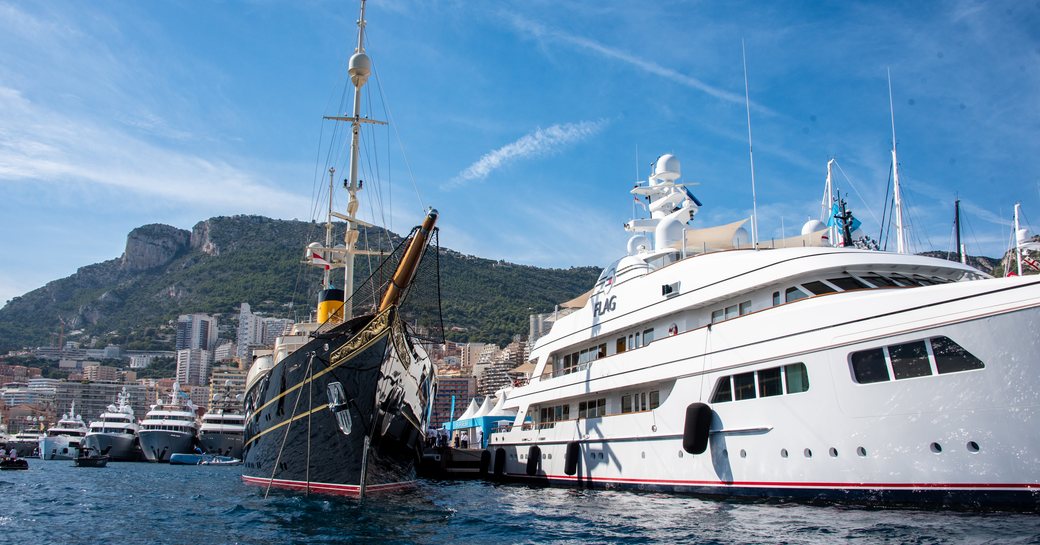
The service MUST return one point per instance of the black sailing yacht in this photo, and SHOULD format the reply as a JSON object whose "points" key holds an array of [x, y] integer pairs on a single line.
{"points": [[341, 404]]}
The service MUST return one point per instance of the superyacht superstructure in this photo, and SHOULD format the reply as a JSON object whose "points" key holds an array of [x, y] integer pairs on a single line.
{"points": [[115, 432], [169, 428], [223, 426], [703, 363]]}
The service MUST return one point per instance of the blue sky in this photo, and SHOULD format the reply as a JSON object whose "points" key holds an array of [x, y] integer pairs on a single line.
{"points": [[525, 123]]}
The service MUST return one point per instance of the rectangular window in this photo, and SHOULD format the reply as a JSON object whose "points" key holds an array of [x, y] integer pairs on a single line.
{"points": [[869, 366], [776, 298], [648, 336], [818, 288], [950, 357], [642, 401], [626, 403], [880, 281], [717, 316], [723, 391], [638, 343], [602, 351], [619, 345], [769, 382], [669, 290], [731, 312], [594, 408], [796, 377], [794, 294], [847, 283], [745, 308], [910, 360], [655, 399], [744, 386]]}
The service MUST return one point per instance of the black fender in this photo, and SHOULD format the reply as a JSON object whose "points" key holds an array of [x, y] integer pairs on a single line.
{"points": [[534, 459], [695, 431], [570, 465]]}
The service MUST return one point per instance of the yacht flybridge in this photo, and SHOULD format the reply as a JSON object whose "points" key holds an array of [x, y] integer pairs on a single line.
{"points": [[701, 364]]}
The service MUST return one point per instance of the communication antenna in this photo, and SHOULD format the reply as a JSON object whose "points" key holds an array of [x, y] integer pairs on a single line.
{"points": [[896, 195], [751, 154]]}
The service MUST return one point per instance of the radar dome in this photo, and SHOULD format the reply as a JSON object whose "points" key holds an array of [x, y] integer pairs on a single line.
{"points": [[667, 168], [360, 68], [812, 226]]}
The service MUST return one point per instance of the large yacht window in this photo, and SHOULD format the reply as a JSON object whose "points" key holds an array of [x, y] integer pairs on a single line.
{"points": [[818, 288], [912, 359], [880, 281], [770, 382], [593, 408], [794, 294], [847, 283], [951, 358], [551, 415]]}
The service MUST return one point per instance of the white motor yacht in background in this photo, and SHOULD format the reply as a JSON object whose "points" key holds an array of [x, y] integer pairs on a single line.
{"points": [[223, 426], [703, 364], [63, 440], [169, 428], [115, 431]]}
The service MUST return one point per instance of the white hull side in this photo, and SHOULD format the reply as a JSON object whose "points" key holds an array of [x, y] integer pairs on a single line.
{"points": [[906, 439], [61, 447]]}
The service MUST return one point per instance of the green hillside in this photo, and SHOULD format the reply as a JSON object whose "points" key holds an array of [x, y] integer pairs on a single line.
{"points": [[225, 261]]}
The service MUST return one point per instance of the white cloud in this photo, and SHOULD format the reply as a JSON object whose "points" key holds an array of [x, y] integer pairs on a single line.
{"points": [[540, 142]]}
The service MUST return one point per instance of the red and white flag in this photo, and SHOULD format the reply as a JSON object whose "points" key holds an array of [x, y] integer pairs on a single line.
{"points": [[1033, 264], [317, 259]]}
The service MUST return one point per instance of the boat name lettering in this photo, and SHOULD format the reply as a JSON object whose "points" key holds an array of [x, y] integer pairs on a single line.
{"points": [[603, 307]]}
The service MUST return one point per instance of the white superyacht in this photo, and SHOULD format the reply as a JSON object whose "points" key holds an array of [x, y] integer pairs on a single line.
{"points": [[115, 431], [702, 364], [63, 439], [223, 426], [169, 428]]}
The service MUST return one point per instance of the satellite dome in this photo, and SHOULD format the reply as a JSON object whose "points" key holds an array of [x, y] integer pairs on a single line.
{"points": [[359, 68], [667, 168], [812, 226]]}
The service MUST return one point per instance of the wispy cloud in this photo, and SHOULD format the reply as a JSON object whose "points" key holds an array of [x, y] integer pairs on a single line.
{"points": [[539, 142], [543, 33]]}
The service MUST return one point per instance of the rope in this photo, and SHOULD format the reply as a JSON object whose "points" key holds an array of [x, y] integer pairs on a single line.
{"points": [[281, 448], [310, 403]]}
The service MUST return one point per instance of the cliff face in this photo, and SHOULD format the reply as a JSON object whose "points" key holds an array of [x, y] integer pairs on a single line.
{"points": [[152, 246]]}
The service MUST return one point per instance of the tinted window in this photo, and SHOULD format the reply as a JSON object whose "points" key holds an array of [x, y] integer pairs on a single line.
{"points": [[744, 386], [655, 399], [880, 281], [910, 360], [769, 382], [794, 294], [869, 366], [818, 288], [847, 283], [723, 392], [776, 298], [950, 357], [797, 378]]}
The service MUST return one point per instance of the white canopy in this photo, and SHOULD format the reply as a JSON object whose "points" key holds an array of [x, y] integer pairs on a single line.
{"points": [[500, 410], [470, 411], [485, 407]]}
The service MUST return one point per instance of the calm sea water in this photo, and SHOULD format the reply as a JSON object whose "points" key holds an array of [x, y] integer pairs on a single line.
{"points": [[130, 503]]}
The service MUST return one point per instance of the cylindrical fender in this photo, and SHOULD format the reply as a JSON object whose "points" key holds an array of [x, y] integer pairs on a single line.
{"points": [[570, 466], [534, 459], [485, 462], [500, 461], [695, 432]]}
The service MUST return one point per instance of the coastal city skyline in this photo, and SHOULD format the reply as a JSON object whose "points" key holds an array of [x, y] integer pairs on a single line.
{"points": [[523, 123]]}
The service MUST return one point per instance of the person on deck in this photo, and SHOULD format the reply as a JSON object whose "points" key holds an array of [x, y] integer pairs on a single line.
{"points": [[465, 439]]}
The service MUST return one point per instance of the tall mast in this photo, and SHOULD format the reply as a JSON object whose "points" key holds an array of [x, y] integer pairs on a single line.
{"points": [[359, 68], [751, 155], [957, 228], [827, 206], [1018, 239], [900, 235]]}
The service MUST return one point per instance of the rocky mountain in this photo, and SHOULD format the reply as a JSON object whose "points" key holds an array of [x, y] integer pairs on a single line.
{"points": [[224, 261]]}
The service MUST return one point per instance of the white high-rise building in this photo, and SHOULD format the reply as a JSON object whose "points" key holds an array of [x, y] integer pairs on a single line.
{"points": [[196, 331], [193, 367], [250, 332]]}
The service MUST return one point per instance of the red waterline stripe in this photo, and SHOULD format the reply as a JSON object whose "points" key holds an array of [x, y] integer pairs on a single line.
{"points": [[333, 488], [1026, 486]]}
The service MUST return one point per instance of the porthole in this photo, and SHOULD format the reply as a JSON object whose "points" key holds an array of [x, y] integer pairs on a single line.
{"points": [[642, 455], [861, 451], [833, 452], [550, 456], [653, 428], [783, 453], [680, 454], [808, 453], [973, 446], [936, 448], [743, 453]]}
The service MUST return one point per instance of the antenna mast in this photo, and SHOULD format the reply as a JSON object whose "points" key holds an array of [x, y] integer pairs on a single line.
{"points": [[897, 197], [751, 154], [1018, 239]]}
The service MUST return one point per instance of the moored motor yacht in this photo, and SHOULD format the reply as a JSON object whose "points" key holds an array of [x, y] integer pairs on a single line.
{"points": [[63, 439], [115, 431], [169, 428], [703, 363]]}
